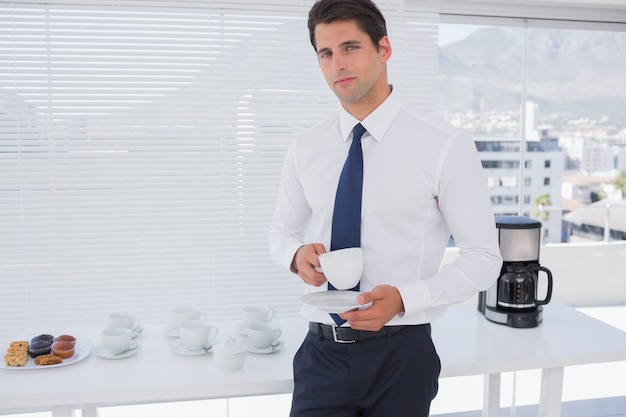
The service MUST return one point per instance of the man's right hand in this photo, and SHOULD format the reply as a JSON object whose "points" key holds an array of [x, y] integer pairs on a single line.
{"points": [[306, 260]]}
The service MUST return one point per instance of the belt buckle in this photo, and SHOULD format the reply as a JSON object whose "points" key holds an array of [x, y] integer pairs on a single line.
{"points": [[336, 338]]}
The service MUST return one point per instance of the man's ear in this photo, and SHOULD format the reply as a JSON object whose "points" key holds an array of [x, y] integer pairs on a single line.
{"points": [[385, 48]]}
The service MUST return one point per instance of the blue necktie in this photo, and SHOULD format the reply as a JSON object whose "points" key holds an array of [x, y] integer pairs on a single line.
{"points": [[346, 228]]}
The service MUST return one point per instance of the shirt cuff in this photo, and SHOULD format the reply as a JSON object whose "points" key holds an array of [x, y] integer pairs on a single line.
{"points": [[415, 297]]}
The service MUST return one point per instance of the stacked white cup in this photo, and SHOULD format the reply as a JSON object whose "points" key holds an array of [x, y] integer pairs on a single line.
{"points": [[261, 332], [195, 332], [122, 333]]}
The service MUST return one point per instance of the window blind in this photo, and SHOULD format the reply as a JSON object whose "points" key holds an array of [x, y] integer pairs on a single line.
{"points": [[141, 144]]}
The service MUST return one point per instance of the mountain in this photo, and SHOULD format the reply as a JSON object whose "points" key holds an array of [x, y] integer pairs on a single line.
{"points": [[581, 72]]}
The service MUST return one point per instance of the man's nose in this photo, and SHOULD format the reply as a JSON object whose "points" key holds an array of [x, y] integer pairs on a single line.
{"points": [[339, 64]]}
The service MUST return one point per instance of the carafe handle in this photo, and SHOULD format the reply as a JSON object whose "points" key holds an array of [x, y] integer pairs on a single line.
{"points": [[549, 293]]}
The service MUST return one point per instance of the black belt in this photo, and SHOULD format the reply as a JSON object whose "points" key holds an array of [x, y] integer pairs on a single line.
{"points": [[348, 334]]}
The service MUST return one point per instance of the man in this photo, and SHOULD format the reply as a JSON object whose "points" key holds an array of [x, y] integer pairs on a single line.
{"points": [[422, 182]]}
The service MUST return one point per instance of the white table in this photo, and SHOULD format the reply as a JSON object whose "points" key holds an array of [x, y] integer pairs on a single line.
{"points": [[467, 343]]}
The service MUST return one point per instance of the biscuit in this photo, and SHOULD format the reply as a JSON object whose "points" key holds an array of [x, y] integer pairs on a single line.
{"points": [[22, 344], [16, 359], [17, 353], [48, 359]]}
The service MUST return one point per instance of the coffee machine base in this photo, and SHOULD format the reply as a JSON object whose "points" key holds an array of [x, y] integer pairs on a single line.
{"points": [[520, 320]]}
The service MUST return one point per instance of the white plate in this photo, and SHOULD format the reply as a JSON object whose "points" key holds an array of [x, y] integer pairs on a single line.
{"points": [[177, 347], [105, 353], [333, 301], [81, 351], [171, 330], [267, 350]]}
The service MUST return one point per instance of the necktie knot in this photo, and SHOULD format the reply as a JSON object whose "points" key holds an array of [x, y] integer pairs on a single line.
{"points": [[357, 132]]}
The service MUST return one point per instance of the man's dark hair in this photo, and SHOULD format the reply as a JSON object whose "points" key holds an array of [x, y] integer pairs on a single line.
{"points": [[364, 12]]}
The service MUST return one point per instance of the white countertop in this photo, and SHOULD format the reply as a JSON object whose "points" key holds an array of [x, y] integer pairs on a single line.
{"points": [[154, 374], [467, 343]]}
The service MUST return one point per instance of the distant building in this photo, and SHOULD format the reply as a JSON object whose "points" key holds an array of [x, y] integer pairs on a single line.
{"points": [[602, 220], [620, 162], [541, 175], [586, 188], [574, 149], [598, 157]]}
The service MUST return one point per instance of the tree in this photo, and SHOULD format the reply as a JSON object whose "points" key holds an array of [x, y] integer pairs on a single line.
{"points": [[542, 201], [620, 182], [597, 195]]}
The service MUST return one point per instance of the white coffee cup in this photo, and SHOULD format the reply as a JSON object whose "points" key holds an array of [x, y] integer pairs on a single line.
{"points": [[196, 334], [342, 267], [122, 319], [258, 314], [183, 314], [262, 335], [119, 339]]}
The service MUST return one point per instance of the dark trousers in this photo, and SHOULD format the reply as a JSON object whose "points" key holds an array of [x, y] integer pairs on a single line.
{"points": [[383, 377]]}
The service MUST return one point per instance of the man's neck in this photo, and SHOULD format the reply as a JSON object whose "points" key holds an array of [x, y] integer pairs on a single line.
{"points": [[363, 109]]}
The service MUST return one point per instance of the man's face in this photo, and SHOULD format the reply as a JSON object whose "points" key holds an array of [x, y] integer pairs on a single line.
{"points": [[352, 65]]}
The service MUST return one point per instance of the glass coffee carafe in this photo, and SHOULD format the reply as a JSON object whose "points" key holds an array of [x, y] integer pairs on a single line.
{"points": [[518, 286]]}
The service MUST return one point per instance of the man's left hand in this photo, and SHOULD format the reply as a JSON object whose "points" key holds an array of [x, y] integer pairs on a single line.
{"points": [[386, 304]]}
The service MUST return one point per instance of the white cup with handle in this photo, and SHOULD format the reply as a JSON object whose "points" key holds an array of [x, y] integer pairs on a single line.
{"points": [[262, 335], [123, 319], [197, 334], [119, 339], [258, 314], [343, 267], [183, 314]]}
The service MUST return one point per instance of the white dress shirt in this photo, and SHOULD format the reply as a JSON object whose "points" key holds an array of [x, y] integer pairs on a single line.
{"points": [[422, 182]]}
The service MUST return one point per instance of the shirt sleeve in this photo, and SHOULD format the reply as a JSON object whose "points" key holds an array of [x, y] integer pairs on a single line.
{"points": [[291, 214], [464, 201]]}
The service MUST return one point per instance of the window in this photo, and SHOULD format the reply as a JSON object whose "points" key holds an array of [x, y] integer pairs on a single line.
{"points": [[522, 84], [509, 182]]}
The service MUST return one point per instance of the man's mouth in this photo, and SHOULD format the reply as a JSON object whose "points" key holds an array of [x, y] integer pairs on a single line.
{"points": [[344, 81]]}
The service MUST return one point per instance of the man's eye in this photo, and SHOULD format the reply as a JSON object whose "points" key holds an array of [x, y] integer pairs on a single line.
{"points": [[325, 54]]}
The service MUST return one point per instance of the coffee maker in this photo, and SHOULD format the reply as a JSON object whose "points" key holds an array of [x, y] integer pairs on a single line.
{"points": [[512, 299]]}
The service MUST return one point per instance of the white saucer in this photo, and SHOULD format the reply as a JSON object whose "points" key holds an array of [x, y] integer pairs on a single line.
{"points": [[103, 352], [333, 301], [267, 350], [171, 330], [137, 327], [177, 346]]}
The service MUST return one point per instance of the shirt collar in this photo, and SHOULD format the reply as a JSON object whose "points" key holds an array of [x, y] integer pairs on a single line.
{"points": [[376, 123]]}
